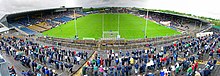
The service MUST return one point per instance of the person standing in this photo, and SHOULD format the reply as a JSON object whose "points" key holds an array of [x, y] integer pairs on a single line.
{"points": [[118, 70], [33, 64], [46, 72], [78, 59], [101, 70], [136, 68], [95, 69], [61, 65], [84, 72]]}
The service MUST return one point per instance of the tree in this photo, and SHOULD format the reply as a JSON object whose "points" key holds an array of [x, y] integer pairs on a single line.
{"points": [[91, 9]]}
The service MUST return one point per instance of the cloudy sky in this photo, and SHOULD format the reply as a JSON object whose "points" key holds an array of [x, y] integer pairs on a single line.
{"points": [[208, 8]]}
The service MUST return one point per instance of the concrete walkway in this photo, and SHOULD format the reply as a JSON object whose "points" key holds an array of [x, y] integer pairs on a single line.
{"points": [[79, 72]]}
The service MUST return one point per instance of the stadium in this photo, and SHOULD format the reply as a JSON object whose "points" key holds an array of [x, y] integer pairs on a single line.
{"points": [[103, 41]]}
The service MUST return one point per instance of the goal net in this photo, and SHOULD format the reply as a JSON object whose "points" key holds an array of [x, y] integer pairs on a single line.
{"points": [[110, 34]]}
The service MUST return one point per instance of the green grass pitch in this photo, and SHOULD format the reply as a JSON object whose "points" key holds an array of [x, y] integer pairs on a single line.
{"points": [[90, 26]]}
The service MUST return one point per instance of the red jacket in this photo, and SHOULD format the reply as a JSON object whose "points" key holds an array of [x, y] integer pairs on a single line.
{"points": [[196, 65], [101, 63], [88, 63], [193, 67], [219, 50], [163, 59]]}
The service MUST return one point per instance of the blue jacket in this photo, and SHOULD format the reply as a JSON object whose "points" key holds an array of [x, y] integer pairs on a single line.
{"points": [[136, 66], [119, 68], [150, 74]]}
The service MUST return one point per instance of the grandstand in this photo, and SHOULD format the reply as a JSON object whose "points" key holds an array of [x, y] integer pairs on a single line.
{"points": [[178, 22], [37, 21]]}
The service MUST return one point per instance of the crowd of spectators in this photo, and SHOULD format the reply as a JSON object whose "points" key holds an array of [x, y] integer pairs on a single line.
{"points": [[178, 58], [149, 62], [42, 60]]}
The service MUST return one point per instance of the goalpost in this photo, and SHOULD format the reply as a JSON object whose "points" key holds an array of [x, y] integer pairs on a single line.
{"points": [[110, 34]]}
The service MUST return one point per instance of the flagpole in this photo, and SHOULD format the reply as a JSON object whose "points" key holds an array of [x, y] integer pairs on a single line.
{"points": [[103, 24], [145, 33], [75, 22], [118, 23]]}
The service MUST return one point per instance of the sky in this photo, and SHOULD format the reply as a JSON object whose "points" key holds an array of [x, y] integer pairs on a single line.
{"points": [[208, 8]]}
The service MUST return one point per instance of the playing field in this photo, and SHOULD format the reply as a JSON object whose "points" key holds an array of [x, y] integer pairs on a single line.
{"points": [[91, 26]]}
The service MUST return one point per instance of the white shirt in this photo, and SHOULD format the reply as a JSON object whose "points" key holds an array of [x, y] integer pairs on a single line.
{"points": [[77, 58], [145, 51], [172, 68], [177, 64], [65, 57], [197, 73], [116, 54], [165, 70], [119, 59], [113, 55]]}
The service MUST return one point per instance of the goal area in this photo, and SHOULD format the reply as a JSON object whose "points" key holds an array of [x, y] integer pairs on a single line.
{"points": [[110, 34]]}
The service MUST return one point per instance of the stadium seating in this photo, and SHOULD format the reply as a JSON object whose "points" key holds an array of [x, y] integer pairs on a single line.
{"points": [[51, 23], [22, 28], [177, 23], [16, 25], [38, 29], [63, 19], [44, 25], [82, 13], [67, 18], [28, 31], [77, 15]]}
